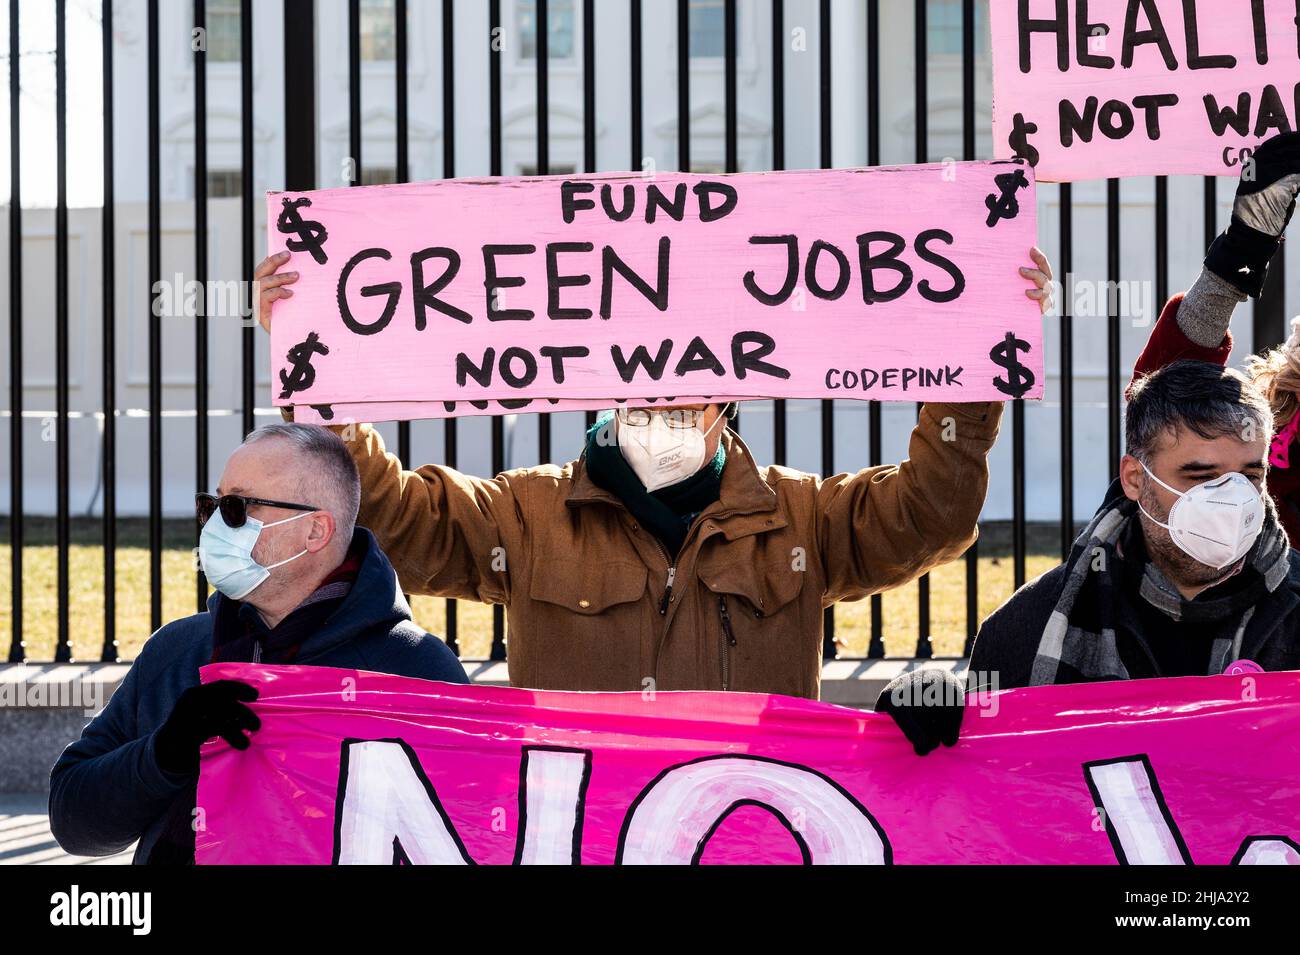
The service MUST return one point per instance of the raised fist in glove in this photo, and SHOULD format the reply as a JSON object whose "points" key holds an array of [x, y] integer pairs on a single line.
{"points": [[1266, 198], [200, 713]]}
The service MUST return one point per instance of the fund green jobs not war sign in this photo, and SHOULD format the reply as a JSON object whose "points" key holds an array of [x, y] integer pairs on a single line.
{"points": [[888, 283]]}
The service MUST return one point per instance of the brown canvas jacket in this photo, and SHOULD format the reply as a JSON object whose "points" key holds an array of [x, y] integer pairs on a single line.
{"points": [[586, 588]]}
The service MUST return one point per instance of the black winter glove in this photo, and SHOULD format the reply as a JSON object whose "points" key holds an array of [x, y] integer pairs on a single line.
{"points": [[200, 713], [1263, 208], [927, 704]]}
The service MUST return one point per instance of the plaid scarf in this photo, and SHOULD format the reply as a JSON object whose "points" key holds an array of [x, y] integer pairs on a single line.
{"points": [[1081, 630]]}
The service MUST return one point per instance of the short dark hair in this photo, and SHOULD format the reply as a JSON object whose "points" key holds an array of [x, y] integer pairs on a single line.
{"points": [[1205, 398]]}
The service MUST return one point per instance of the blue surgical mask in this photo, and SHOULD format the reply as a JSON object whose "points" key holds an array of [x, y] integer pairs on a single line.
{"points": [[226, 555]]}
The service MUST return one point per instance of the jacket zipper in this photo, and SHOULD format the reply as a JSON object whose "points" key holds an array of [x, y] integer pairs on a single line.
{"points": [[668, 591], [728, 640]]}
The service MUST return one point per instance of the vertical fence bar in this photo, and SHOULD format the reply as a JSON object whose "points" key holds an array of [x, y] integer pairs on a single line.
{"points": [[543, 168], [876, 648], [780, 438], [635, 106], [299, 95], [155, 331], [448, 172], [731, 161], [825, 159], [968, 153], [201, 277], [16, 654], [247, 194], [108, 331], [354, 90], [684, 85], [1066, 266], [403, 165], [1162, 242], [63, 652], [494, 150], [1112, 324], [1019, 525], [589, 85], [729, 83], [921, 99], [1211, 209], [589, 104]]}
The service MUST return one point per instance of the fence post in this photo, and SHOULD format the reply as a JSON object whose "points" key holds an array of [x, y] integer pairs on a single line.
{"points": [[299, 94]]}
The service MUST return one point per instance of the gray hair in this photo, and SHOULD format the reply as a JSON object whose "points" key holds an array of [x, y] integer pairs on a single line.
{"points": [[328, 478], [1205, 398]]}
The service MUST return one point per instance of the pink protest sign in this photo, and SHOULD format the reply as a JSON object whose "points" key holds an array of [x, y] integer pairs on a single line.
{"points": [[890, 283], [354, 767], [1118, 88], [343, 413]]}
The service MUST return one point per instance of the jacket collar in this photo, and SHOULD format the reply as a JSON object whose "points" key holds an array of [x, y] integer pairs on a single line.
{"points": [[743, 491], [373, 600]]}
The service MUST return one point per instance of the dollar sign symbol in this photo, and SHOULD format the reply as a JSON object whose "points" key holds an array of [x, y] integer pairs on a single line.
{"points": [[311, 234], [1006, 205], [1005, 355], [1019, 139], [302, 375]]}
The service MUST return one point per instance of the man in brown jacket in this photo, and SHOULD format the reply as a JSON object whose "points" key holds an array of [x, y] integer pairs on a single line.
{"points": [[665, 557]]}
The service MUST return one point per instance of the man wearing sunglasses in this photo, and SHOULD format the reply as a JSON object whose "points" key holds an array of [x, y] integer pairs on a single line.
{"points": [[665, 557], [297, 582]]}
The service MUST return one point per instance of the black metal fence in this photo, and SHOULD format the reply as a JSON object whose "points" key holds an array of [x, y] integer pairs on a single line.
{"points": [[299, 118]]}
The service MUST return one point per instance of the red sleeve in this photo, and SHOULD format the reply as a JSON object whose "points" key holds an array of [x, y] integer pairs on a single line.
{"points": [[1168, 344]]}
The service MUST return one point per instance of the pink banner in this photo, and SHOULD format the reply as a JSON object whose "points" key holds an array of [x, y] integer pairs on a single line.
{"points": [[1159, 87], [890, 284], [355, 767]]}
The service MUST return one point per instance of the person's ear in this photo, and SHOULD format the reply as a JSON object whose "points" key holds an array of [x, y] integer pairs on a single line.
{"points": [[321, 533], [1131, 474]]}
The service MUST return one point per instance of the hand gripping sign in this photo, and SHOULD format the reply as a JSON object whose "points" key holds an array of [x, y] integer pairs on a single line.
{"points": [[1090, 89], [888, 283], [353, 767]]}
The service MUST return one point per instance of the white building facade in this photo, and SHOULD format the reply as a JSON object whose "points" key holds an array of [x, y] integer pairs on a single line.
{"points": [[519, 113]]}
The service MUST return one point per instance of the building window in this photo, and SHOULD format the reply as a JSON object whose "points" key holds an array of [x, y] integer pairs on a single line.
{"points": [[378, 31], [943, 22], [378, 175], [553, 169], [559, 29], [707, 28], [221, 21], [224, 183]]}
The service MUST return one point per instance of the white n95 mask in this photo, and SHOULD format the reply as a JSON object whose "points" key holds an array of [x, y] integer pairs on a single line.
{"points": [[661, 455], [226, 554], [1216, 522]]}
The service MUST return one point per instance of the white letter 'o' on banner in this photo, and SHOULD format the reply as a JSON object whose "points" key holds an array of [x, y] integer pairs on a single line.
{"points": [[673, 818]]}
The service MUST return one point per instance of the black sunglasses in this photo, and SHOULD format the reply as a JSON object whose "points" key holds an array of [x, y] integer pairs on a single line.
{"points": [[234, 507]]}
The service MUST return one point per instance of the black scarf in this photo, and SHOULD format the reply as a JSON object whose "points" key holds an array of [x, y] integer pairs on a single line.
{"points": [[668, 512]]}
